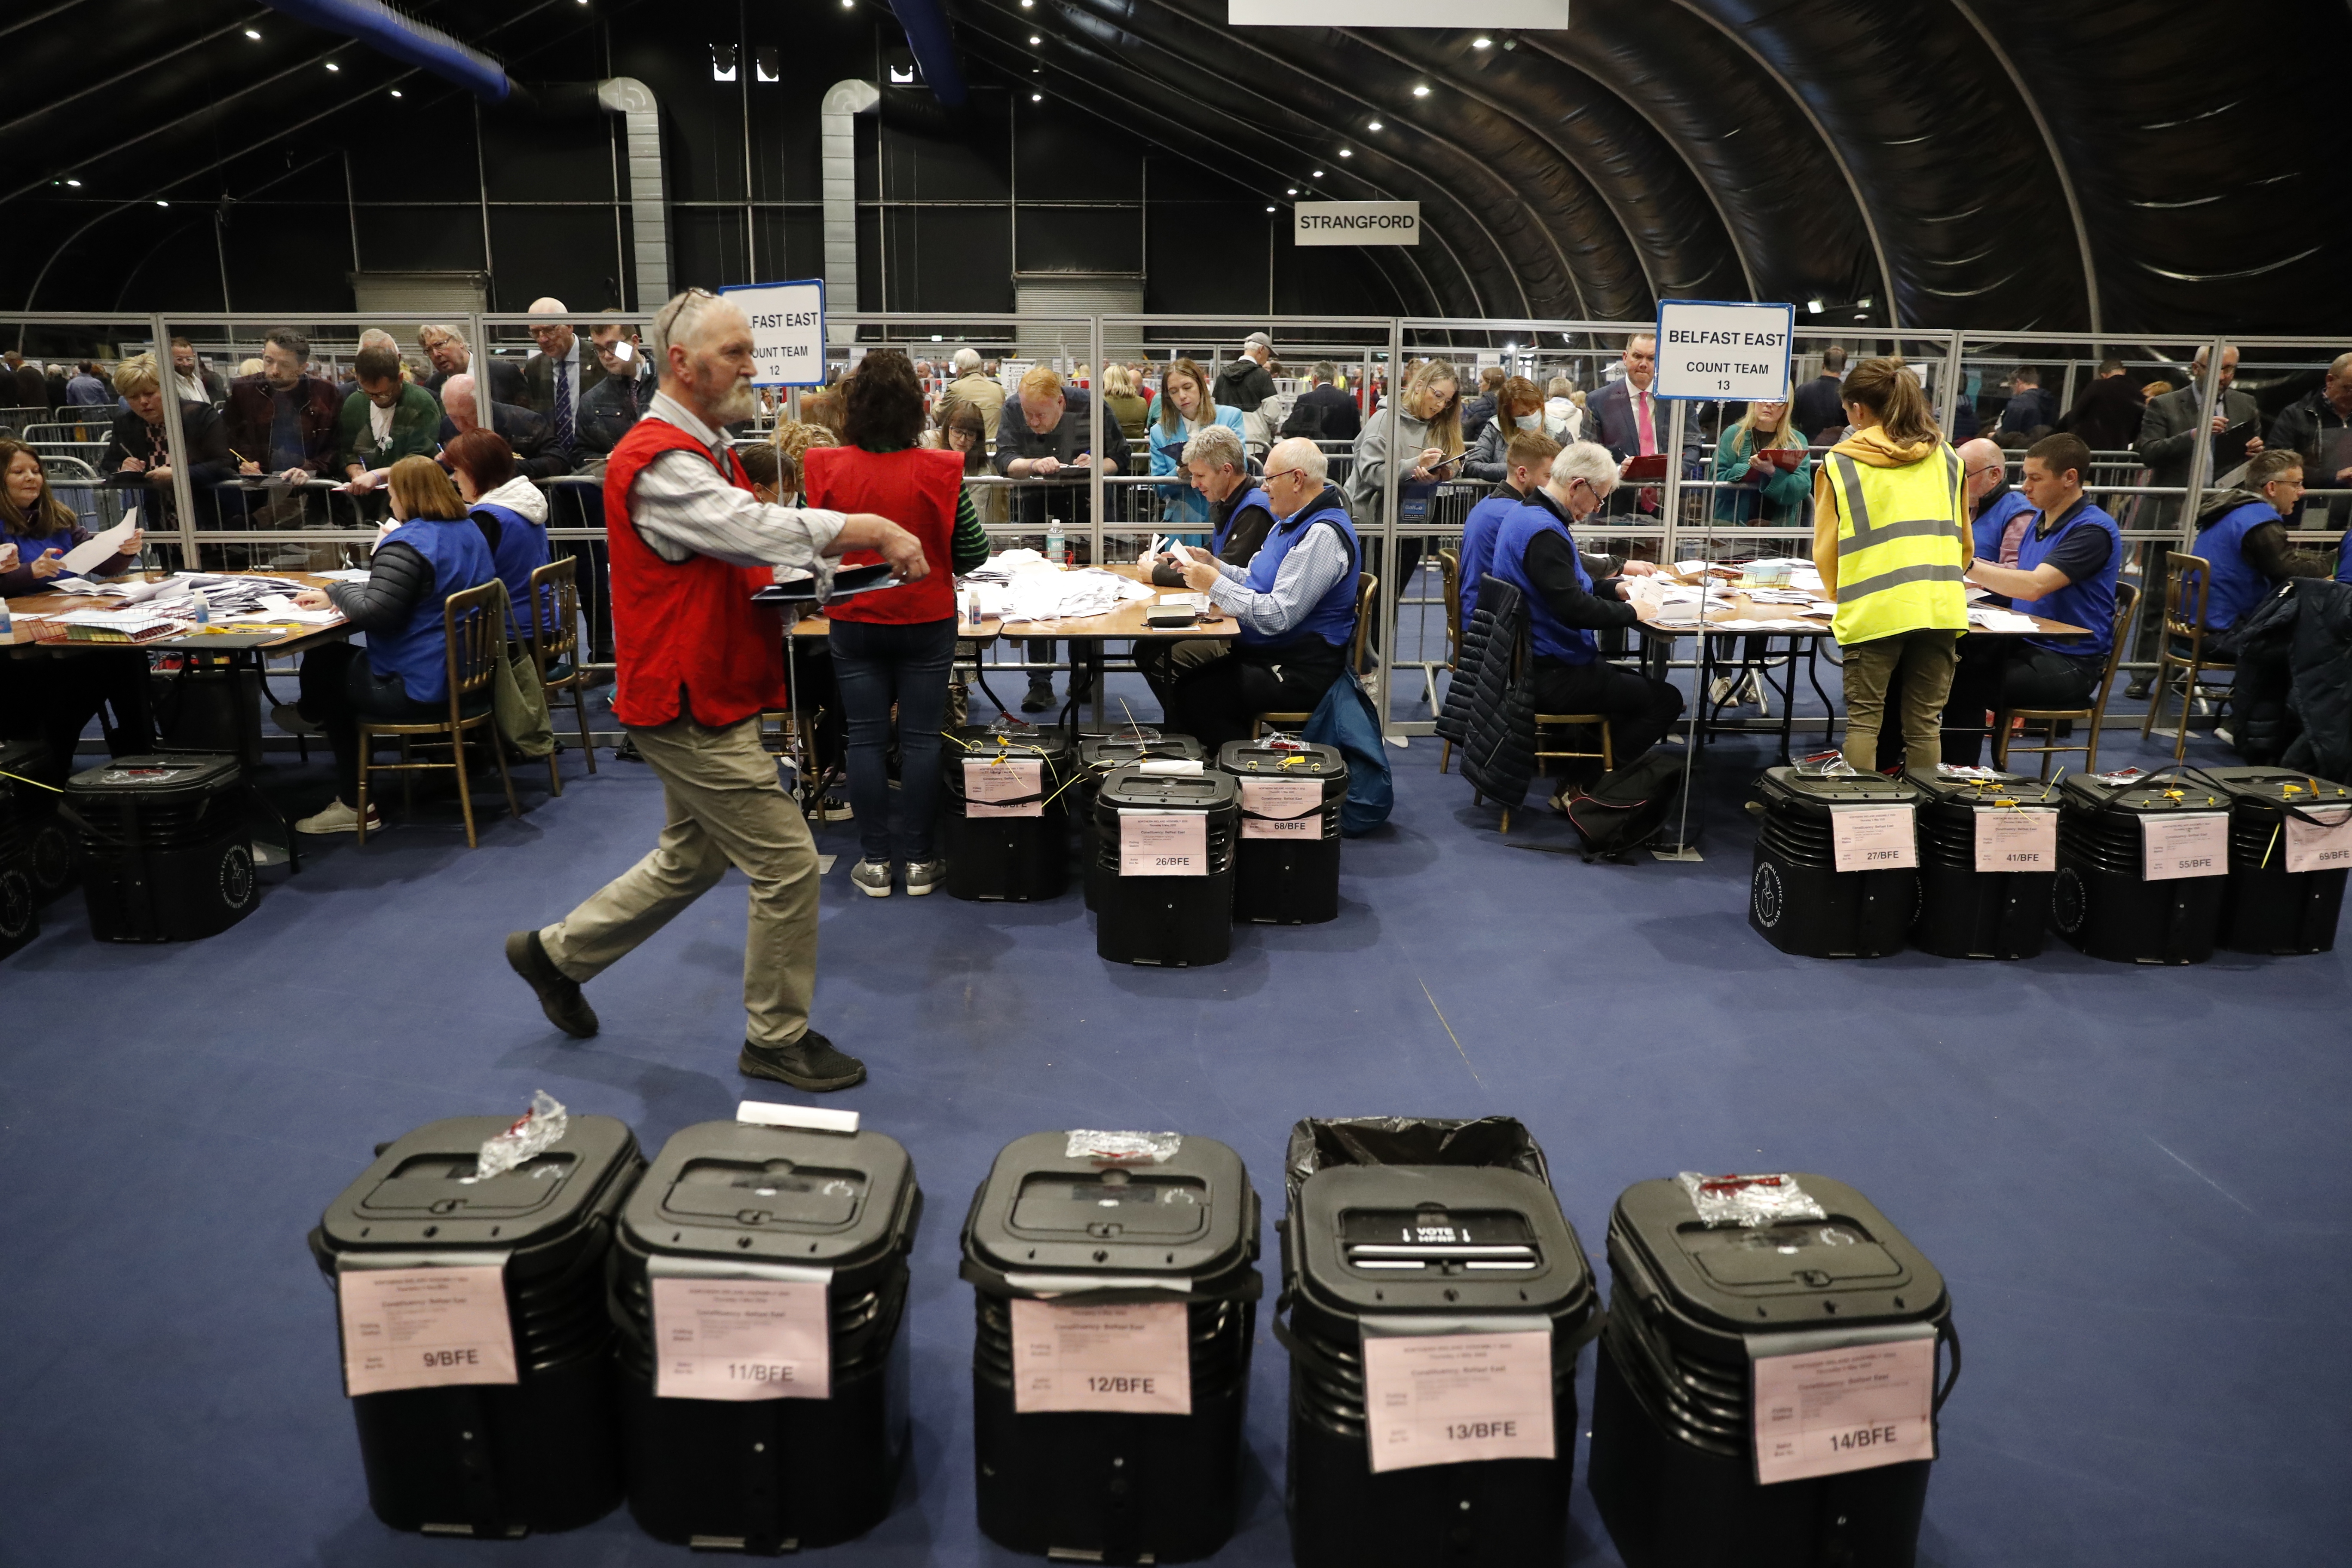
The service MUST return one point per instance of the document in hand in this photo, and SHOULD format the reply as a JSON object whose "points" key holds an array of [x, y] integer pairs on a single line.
{"points": [[103, 548]]}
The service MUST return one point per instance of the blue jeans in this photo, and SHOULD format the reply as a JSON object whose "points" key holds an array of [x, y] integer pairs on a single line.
{"points": [[877, 665]]}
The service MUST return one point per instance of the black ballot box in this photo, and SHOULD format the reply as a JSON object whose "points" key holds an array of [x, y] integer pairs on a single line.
{"points": [[759, 1282], [1287, 865], [1165, 847], [498, 1281], [1799, 897], [1438, 1300], [1988, 856], [164, 846], [1115, 1280], [2288, 855], [1736, 1302], [1014, 845], [20, 904], [1098, 757], [2142, 862], [40, 832]]}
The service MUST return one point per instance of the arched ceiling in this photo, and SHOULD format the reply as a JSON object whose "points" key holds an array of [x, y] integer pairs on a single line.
{"points": [[2147, 166]]}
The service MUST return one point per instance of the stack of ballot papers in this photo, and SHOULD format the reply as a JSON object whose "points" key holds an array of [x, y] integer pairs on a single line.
{"points": [[1984, 617]]}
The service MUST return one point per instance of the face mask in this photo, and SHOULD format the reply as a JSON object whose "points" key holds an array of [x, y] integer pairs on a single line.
{"points": [[1530, 421]]}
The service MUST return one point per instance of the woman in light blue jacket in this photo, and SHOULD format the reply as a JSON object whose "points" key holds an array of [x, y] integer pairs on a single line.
{"points": [[1179, 411]]}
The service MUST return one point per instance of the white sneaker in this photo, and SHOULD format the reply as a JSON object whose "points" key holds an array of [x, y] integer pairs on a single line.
{"points": [[872, 877], [339, 819], [1718, 692], [2222, 733]]}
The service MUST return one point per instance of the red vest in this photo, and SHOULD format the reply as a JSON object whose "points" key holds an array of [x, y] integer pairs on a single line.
{"points": [[917, 489], [687, 638]]}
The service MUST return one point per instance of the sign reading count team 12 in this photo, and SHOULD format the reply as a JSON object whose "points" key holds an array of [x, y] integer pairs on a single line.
{"points": [[1722, 350], [787, 331]]}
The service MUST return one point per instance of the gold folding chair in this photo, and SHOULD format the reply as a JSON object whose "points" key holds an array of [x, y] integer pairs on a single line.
{"points": [[555, 648], [2185, 623], [2126, 596], [1449, 571], [474, 633], [1366, 585]]}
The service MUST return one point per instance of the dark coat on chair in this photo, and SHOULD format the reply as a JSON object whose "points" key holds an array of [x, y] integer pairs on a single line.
{"points": [[1490, 708], [2291, 696]]}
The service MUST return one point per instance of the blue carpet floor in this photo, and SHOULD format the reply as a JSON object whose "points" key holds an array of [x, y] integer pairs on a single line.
{"points": [[2128, 1176]]}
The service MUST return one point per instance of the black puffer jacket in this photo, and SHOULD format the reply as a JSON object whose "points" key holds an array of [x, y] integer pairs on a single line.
{"points": [[398, 579], [1490, 710], [2260, 716], [2292, 697]]}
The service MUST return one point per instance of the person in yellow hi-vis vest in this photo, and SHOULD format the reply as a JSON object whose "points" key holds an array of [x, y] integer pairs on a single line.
{"points": [[1891, 538]]}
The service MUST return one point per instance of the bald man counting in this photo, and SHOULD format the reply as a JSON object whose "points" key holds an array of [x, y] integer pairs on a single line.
{"points": [[1998, 511]]}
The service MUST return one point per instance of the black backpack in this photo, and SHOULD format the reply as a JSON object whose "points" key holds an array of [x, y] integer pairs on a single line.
{"points": [[1623, 809]]}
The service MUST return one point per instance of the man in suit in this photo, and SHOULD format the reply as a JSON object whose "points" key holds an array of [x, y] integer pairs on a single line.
{"points": [[556, 377], [1627, 417], [2169, 434], [536, 455]]}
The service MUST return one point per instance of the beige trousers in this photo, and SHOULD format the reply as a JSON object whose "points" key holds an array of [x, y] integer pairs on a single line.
{"points": [[726, 808], [1918, 666]]}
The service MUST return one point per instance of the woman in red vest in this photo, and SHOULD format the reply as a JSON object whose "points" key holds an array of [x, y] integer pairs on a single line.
{"points": [[893, 649]]}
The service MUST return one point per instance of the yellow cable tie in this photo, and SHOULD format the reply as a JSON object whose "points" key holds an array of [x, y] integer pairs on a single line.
{"points": [[36, 784]]}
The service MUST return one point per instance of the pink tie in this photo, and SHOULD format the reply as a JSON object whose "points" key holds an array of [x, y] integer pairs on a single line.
{"points": [[1648, 431]]}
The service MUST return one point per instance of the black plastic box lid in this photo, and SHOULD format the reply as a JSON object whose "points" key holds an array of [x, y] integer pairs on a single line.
{"points": [[1192, 1217], [2002, 789], [1132, 788], [2277, 787], [22, 756], [152, 778], [1852, 1267], [2164, 791], [1787, 786], [420, 1194], [1110, 750], [979, 740], [775, 1194], [1294, 760], [1442, 1239]]}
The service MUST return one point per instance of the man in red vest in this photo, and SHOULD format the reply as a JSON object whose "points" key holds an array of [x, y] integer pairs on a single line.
{"points": [[696, 662]]}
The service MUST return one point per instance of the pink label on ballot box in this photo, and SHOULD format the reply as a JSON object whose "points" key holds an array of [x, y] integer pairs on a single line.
{"points": [[741, 1339], [1442, 1399], [2197, 844], [1823, 1411], [1133, 1357], [2322, 846], [1873, 837], [987, 781], [1163, 844], [424, 1328], [1282, 808], [2016, 838]]}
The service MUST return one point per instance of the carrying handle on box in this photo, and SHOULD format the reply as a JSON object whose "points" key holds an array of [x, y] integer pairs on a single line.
{"points": [[1950, 1336]]}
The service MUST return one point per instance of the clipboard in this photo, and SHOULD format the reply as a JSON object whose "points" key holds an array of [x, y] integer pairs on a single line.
{"points": [[849, 582], [1651, 469], [2230, 445], [1784, 459]]}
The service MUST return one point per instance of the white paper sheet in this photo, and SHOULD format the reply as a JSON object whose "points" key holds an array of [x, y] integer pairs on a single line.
{"points": [[104, 547], [1134, 1357]]}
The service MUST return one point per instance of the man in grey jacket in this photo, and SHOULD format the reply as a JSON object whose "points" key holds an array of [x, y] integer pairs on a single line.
{"points": [[2168, 441]]}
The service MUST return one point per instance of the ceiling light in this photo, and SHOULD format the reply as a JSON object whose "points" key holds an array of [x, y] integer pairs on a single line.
{"points": [[1812, 307], [1315, 175], [1269, 209], [333, 67], [162, 203], [1037, 98], [395, 92], [75, 184], [254, 33], [1034, 40], [1346, 153], [1866, 299], [937, 338], [1293, 191], [1510, 348], [1482, 43], [1374, 126], [1421, 89]]}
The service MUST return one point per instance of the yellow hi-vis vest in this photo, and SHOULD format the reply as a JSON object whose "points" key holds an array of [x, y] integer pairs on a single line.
{"points": [[1899, 533]]}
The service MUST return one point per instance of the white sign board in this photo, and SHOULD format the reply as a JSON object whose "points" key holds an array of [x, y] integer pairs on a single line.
{"points": [[1539, 15], [1853, 1408], [741, 1339], [2322, 845], [1135, 1357], [787, 331], [2016, 838], [2195, 844], [424, 1328], [1443, 1399], [1355, 223], [1710, 349], [1873, 837]]}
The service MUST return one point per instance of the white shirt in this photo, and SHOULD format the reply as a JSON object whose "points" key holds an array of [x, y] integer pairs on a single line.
{"points": [[682, 504], [380, 422]]}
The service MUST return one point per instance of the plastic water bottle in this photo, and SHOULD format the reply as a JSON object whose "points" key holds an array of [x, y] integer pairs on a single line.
{"points": [[1053, 544], [8, 622], [203, 611]]}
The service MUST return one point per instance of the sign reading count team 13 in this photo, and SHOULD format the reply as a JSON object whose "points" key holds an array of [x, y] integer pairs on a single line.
{"points": [[1719, 349], [787, 331]]}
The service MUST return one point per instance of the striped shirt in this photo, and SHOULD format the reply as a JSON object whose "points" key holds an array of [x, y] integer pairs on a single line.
{"points": [[682, 505], [1306, 575]]}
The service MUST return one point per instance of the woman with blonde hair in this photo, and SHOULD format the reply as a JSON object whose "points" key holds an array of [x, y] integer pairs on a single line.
{"points": [[1428, 438], [431, 550], [1891, 539], [1753, 488], [1181, 411], [1120, 400]]}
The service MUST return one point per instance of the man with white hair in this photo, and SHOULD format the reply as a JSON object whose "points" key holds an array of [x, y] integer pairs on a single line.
{"points": [[973, 385], [558, 376], [1296, 603], [536, 454], [449, 353], [698, 661], [1240, 517], [1535, 553]]}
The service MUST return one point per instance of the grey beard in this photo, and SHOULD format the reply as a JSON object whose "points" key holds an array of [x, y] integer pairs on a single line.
{"points": [[740, 403]]}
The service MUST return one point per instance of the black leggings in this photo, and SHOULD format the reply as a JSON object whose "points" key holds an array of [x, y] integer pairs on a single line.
{"points": [[1640, 709], [339, 688]]}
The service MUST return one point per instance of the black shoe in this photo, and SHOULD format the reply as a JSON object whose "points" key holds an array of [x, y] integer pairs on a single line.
{"points": [[559, 994], [626, 751], [1037, 700], [2138, 691], [809, 1063]]}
